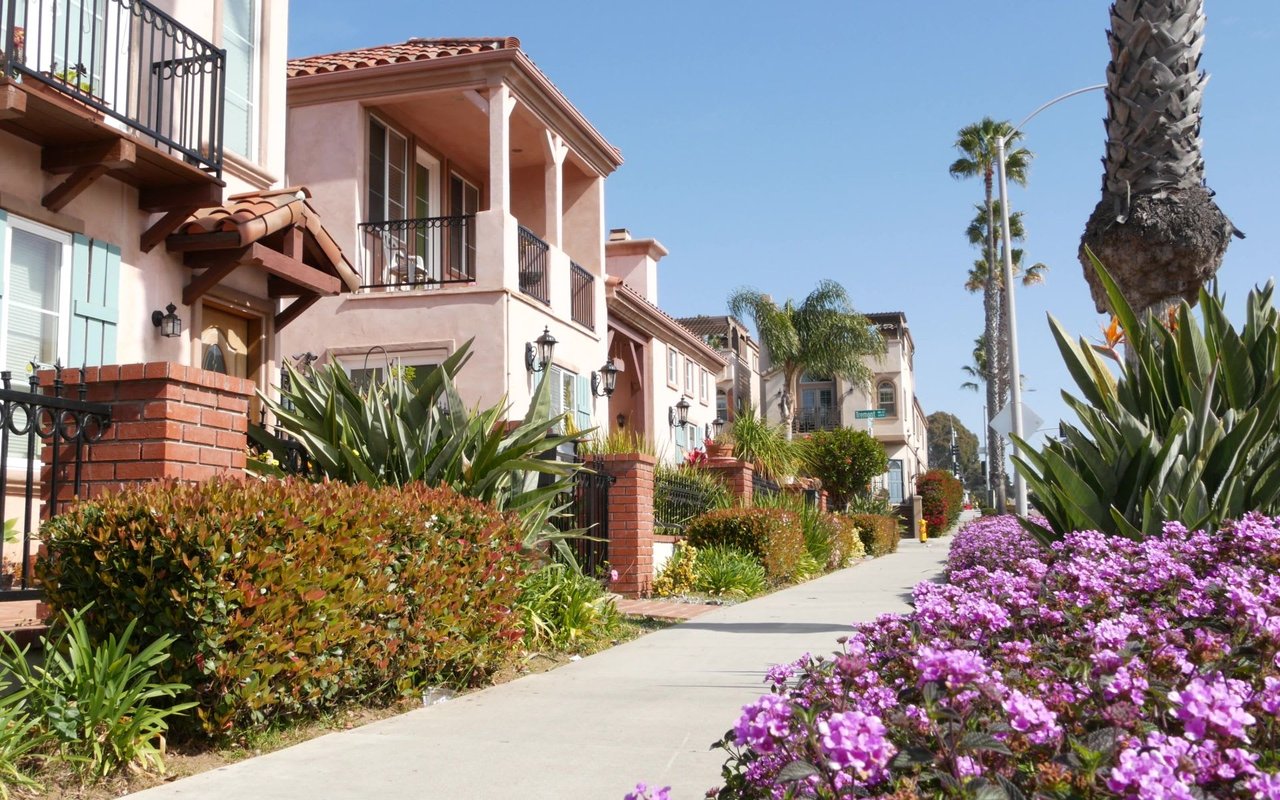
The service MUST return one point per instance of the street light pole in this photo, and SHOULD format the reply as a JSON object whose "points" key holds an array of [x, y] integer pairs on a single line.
{"points": [[1015, 382]]}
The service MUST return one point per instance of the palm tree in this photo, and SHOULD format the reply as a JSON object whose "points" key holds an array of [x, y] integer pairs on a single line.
{"points": [[822, 335], [977, 371], [1156, 227], [977, 146]]}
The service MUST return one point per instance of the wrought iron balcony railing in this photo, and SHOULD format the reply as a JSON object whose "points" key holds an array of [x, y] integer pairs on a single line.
{"points": [[582, 296], [534, 264], [808, 420], [126, 60], [418, 253]]}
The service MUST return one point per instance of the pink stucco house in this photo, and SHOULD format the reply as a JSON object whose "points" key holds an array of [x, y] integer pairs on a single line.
{"points": [[470, 193]]}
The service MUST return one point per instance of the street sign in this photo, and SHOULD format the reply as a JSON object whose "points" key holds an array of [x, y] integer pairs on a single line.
{"points": [[870, 413], [1002, 423]]}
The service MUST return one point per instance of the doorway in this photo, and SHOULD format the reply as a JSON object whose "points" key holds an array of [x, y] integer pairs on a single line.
{"points": [[231, 344]]}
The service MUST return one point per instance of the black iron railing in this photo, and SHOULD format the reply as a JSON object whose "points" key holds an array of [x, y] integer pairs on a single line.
{"points": [[582, 297], [30, 419], [534, 265], [808, 420], [676, 500], [127, 60], [762, 486], [418, 253], [588, 513]]}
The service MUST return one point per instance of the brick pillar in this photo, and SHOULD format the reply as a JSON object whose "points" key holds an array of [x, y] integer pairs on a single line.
{"points": [[736, 475], [167, 422], [631, 521], [822, 499]]}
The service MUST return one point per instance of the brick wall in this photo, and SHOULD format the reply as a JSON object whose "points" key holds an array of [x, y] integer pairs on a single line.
{"points": [[736, 475], [167, 422], [631, 522]]}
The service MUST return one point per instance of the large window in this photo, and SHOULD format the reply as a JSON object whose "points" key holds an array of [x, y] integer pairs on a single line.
{"points": [[388, 174], [36, 296], [886, 398], [240, 39]]}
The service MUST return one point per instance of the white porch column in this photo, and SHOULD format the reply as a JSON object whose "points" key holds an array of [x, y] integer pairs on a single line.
{"points": [[501, 103], [554, 188]]}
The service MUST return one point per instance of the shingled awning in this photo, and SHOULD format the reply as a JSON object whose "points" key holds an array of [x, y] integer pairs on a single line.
{"points": [[276, 232]]}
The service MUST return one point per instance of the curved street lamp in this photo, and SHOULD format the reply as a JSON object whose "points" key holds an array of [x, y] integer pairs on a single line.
{"points": [[1015, 390]]}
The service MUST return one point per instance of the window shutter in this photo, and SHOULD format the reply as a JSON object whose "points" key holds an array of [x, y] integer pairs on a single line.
{"points": [[4, 224], [583, 419], [95, 301]]}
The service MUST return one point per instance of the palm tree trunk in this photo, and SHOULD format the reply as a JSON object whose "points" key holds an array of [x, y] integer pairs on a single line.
{"points": [[992, 330], [789, 389]]}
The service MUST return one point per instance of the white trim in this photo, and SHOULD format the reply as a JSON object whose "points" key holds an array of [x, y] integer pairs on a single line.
{"points": [[254, 100], [62, 346]]}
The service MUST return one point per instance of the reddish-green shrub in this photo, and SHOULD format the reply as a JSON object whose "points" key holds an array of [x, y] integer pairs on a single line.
{"points": [[288, 599], [773, 535], [879, 532], [941, 498], [847, 538]]}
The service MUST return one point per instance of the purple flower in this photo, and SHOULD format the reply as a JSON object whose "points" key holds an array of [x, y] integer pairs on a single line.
{"points": [[1031, 718], [1264, 787], [955, 668], [856, 742], [1213, 706], [1153, 770], [764, 724], [642, 793]]}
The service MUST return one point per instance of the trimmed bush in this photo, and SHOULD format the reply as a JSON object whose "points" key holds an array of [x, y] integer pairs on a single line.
{"points": [[847, 543], [942, 499], [287, 599], [773, 535], [677, 576], [845, 460], [728, 572], [879, 533]]}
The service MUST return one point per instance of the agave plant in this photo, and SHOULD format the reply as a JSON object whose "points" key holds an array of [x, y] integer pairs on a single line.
{"points": [[398, 431], [1186, 432]]}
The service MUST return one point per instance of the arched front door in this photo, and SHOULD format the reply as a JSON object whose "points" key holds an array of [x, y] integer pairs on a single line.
{"points": [[225, 343]]}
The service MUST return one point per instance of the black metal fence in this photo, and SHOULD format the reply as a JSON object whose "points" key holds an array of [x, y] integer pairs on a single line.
{"points": [[418, 253], [31, 418], [676, 500], [588, 513], [127, 60], [762, 486], [534, 265], [808, 420], [582, 298]]}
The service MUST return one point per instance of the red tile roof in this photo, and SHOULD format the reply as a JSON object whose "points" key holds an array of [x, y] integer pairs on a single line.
{"points": [[412, 50]]}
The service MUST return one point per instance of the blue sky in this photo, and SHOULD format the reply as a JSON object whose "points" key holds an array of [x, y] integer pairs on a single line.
{"points": [[773, 145]]}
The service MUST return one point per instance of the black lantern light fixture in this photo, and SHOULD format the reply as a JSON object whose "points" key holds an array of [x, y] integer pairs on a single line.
{"points": [[168, 321], [605, 380], [678, 415], [537, 354], [622, 420], [717, 427]]}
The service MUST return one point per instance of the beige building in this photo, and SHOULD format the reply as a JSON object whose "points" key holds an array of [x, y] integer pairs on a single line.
{"points": [[738, 384], [826, 403], [470, 193], [141, 215]]}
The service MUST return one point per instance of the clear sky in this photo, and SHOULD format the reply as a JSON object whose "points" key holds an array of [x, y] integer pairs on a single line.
{"points": [[775, 144]]}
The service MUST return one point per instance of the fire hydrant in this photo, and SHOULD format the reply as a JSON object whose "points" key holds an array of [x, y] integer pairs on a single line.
{"points": [[924, 531]]}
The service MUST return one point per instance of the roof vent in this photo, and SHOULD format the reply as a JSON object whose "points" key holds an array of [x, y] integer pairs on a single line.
{"points": [[619, 235]]}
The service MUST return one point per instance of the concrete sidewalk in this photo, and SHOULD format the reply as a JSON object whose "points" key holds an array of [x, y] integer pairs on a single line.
{"points": [[646, 711]]}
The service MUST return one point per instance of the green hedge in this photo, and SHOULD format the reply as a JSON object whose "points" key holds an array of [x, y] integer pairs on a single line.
{"points": [[879, 533], [773, 535], [288, 599]]}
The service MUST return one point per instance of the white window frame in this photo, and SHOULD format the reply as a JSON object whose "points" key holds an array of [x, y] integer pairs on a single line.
{"points": [[702, 388], [689, 369], [256, 10], [352, 363], [63, 345], [673, 367], [889, 412]]}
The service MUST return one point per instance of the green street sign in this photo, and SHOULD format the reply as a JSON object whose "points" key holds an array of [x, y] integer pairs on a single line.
{"points": [[870, 413]]}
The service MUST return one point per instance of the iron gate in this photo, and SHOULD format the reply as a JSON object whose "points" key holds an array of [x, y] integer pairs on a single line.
{"points": [[46, 432], [588, 512]]}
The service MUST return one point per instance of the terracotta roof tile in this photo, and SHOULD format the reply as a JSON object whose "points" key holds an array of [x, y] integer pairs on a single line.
{"points": [[412, 50]]}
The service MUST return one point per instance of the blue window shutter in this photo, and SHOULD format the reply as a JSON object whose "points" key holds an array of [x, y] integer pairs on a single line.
{"points": [[583, 420], [95, 301]]}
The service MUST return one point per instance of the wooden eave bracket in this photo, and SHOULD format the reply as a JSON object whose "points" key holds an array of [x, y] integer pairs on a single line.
{"points": [[13, 102], [86, 163], [295, 310], [164, 226], [284, 273]]}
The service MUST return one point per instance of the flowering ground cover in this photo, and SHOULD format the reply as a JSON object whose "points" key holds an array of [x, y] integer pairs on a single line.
{"points": [[1104, 667]]}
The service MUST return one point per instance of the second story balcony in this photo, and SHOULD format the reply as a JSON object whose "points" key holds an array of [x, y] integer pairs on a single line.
{"points": [[820, 418], [418, 253], [114, 87]]}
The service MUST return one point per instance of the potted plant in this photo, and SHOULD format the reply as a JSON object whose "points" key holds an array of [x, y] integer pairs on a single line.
{"points": [[719, 447]]}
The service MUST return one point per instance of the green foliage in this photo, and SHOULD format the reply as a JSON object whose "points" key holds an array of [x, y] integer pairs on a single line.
{"points": [[940, 425], [677, 576], [847, 542], [764, 446], [941, 499], [773, 535], [1186, 432], [879, 533], [561, 608], [620, 442], [807, 568], [21, 739], [681, 493], [845, 460], [877, 503], [287, 599], [724, 571], [395, 432], [101, 701]]}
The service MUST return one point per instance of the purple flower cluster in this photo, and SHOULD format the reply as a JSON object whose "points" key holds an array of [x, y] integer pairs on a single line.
{"points": [[1160, 657]]}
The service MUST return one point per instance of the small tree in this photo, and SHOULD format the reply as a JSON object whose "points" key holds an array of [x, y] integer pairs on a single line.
{"points": [[845, 460]]}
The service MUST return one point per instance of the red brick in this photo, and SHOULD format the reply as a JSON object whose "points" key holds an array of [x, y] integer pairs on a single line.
{"points": [[170, 451], [238, 459], [233, 404], [101, 393], [215, 457], [174, 410], [156, 369], [152, 430], [197, 397], [200, 472], [231, 440], [217, 419], [98, 471], [126, 412], [145, 390], [109, 374], [132, 372], [123, 451], [142, 470], [197, 435]]}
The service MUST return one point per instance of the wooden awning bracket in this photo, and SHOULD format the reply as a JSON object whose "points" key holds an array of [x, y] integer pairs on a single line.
{"points": [[86, 163]]}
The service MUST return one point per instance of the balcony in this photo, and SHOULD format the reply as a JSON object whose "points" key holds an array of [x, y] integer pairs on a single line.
{"points": [[582, 298], [117, 87], [818, 418], [533, 265], [405, 254]]}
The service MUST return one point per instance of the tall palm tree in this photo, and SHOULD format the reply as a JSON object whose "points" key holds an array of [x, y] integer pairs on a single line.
{"points": [[1156, 227], [822, 335], [977, 371]]}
